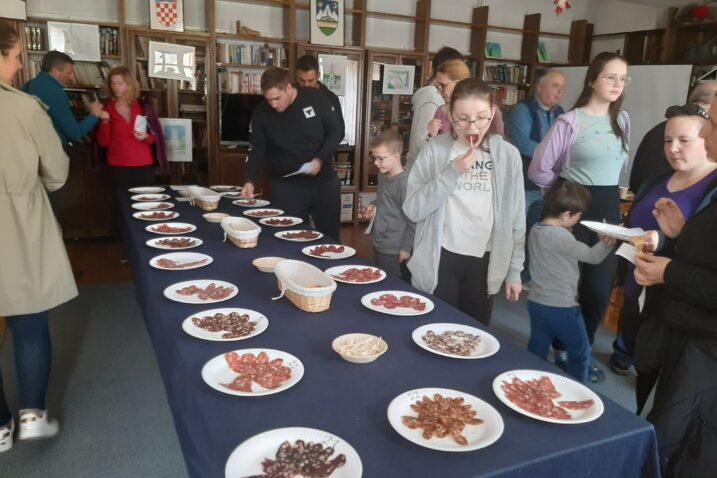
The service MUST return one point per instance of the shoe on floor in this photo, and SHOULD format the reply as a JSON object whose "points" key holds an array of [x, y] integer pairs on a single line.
{"points": [[595, 374], [35, 424], [561, 360], [6, 432], [619, 366]]}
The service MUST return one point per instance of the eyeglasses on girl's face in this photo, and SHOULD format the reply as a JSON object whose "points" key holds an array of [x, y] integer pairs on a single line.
{"points": [[441, 87], [615, 79], [463, 123]]}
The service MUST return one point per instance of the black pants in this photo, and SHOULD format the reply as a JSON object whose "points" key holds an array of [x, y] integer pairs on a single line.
{"points": [[390, 264], [596, 280], [463, 283], [124, 178], [319, 198]]}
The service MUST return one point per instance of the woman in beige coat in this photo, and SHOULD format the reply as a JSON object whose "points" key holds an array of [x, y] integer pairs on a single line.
{"points": [[35, 275]]}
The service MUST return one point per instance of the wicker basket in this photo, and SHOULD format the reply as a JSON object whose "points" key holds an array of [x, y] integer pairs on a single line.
{"points": [[241, 231], [306, 286], [204, 198]]}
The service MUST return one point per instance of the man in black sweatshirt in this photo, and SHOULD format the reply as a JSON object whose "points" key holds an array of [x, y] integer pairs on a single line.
{"points": [[307, 72], [296, 129]]}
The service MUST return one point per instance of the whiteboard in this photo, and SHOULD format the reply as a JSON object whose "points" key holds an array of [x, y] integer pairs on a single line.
{"points": [[653, 89], [80, 41]]}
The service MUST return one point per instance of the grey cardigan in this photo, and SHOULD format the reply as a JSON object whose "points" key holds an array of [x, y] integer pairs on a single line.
{"points": [[432, 180]]}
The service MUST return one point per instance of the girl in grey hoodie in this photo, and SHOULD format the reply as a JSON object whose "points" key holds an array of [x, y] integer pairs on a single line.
{"points": [[465, 193]]}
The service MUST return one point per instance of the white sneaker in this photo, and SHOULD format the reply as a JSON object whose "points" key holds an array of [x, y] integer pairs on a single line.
{"points": [[6, 433], [33, 426]]}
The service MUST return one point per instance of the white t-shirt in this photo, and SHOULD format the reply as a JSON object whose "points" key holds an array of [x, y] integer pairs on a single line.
{"points": [[469, 210]]}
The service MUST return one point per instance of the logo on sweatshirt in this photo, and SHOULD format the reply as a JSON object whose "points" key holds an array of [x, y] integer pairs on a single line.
{"points": [[309, 112]]}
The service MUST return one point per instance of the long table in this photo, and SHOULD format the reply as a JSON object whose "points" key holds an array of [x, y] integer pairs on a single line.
{"points": [[347, 399]]}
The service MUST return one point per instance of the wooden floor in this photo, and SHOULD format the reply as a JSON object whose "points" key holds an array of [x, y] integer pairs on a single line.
{"points": [[98, 261]]}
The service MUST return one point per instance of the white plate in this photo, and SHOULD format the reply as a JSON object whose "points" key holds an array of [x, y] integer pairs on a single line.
{"points": [[487, 346], [168, 215], [256, 213], [225, 188], [231, 194], [246, 459], [282, 235], [150, 197], [294, 221], [153, 227], [153, 206], [156, 243], [612, 230], [348, 252], [567, 387], [478, 436], [246, 203], [171, 291], [147, 190], [366, 301], [217, 372], [334, 272], [261, 324], [181, 257]]}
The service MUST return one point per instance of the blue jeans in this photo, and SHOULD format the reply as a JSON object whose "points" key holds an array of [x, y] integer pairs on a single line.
{"points": [[566, 324], [33, 357], [533, 211]]}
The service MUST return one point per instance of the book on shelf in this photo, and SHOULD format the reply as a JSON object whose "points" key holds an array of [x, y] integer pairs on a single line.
{"points": [[109, 41], [142, 77], [33, 38], [503, 73], [91, 73], [508, 95], [493, 50], [543, 55], [239, 82], [142, 46], [252, 54]]}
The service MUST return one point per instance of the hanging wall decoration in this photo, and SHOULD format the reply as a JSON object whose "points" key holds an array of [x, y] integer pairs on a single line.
{"points": [[173, 62], [561, 5], [327, 22], [166, 15], [333, 73]]}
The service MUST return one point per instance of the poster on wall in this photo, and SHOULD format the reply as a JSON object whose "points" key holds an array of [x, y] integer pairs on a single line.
{"points": [[327, 22], [13, 9], [167, 15], [333, 73], [178, 137], [398, 79], [174, 62], [81, 42]]}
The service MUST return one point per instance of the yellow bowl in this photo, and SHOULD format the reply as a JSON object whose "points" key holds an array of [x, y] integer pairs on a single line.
{"points": [[380, 348]]}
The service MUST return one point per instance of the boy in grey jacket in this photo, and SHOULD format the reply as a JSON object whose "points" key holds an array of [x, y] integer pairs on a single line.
{"points": [[392, 231], [554, 256]]}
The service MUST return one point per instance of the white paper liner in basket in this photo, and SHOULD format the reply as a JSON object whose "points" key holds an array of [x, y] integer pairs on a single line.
{"points": [[251, 230], [203, 194], [289, 271]]}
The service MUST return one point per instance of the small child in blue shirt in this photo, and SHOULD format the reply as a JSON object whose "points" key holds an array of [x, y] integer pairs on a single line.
{"points": [[554, 256]]}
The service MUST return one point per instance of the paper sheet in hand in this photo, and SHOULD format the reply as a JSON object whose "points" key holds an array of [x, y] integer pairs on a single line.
{"points": [[628, 252], [370, 224], [611, 230], [140, 124], [302, 170]]}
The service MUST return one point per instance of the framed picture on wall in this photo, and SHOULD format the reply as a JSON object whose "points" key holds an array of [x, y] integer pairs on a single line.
{"points": [[327, 22], [333, 73], [173, 62], [398, 79], [167, 15], [178, 137]]}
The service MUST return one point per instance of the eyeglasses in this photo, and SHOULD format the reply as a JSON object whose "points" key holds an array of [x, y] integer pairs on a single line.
{"points": [[442, 86], [379, 159], [690, 109], [480, 122], [613, 79]]}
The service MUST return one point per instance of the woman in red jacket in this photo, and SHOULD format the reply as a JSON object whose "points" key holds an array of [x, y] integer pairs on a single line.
{"points": [[129, 151]]}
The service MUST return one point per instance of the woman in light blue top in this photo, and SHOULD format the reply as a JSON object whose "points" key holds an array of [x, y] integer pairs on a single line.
{"points": [[589, 145]]}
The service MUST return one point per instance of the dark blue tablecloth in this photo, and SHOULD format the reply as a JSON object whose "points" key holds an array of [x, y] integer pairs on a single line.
{"points": [[346, 399]]}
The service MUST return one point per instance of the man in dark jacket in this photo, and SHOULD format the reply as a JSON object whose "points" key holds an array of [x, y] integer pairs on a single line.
{"points": [[307, 72], [57, 72], [295, 132]]}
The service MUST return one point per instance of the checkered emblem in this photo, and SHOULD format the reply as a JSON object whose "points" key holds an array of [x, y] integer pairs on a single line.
{"points": [[166, 12]]}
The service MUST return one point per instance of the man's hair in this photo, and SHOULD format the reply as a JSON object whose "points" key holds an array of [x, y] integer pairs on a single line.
{"points": [[542, 75], [274, 77], [55, 59], [307, 63], [443, 55], [391, 140], [704, 93], [565, 196]]}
